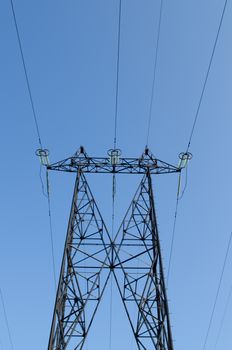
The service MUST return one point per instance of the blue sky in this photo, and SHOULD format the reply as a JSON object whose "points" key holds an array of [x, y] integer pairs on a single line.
{"points": [[70, 50]]}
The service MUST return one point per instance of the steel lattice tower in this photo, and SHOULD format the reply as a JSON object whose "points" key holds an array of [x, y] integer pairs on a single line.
{"points": [[91, 256]]}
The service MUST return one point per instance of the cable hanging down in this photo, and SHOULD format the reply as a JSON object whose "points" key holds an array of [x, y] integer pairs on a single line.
{"points": [[183, 164], [51, 229], [172, 239], [44, 161]]}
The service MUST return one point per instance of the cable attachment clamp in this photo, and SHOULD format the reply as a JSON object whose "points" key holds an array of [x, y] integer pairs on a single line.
{"points": [[43, 156], [114, 156], [184, 159]]}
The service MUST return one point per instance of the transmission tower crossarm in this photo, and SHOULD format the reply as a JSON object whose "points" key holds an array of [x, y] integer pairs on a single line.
{"points": [[114, 163]]}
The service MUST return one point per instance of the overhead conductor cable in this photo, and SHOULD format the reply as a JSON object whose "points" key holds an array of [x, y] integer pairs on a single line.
{"points": [[218, 290], [194, 123], [207, 75], [6, 320], [113, 153], [154, 73], [117, 74], [223, 317], [26, 74], [41, 152]]}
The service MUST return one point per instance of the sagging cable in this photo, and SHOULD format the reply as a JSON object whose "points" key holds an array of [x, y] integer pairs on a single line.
{"points": [[184, 159], [51, 227], [44, 161]]}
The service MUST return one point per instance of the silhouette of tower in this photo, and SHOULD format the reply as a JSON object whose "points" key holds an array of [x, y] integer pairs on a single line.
{"points": [[91, 255]]}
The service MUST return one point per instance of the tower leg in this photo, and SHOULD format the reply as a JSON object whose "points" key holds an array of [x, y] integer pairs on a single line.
{"points": [[85, 258], [140, 278]]}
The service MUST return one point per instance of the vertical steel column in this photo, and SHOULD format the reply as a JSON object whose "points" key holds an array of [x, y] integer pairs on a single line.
{"points": [[139, 272], [86, 253]]}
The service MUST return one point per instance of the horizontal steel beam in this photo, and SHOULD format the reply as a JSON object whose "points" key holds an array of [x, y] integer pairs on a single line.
{"points": [[114, 163]]}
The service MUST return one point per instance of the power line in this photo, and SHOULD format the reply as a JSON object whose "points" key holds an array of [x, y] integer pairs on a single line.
{"points": [[154, 71], [44, 161], [217, 293], [223, 317], [51, 228], [38, 134], [207, 75], [192, 131], [174, 228], [183, 164], [115, 143], [117, 74], [173, 238], [26, 74], [6, 320]]}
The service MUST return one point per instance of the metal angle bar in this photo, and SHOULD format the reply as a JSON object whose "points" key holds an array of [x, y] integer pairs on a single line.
{"points": [[81, 161], [122, 223], [55, 314], [123, 299], [61, 320], [92, 256], [154, 221], [78, 318], [133, 257], [91, 321], [152, 281], [127, 312], [115, 244], [115, 267]]}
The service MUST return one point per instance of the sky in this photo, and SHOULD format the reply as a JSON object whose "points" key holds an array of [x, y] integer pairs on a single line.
{"points": [[70, 51]]}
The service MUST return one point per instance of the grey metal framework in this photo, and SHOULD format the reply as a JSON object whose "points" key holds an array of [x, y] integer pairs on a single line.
{"points": [[114, 163], [92, 255]]}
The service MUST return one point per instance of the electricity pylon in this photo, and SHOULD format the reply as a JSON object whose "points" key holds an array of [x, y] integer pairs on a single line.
{"points": [[91, 255]]}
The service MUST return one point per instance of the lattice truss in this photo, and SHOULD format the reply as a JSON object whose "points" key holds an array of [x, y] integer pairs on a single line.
{"points": [[133, 257]]}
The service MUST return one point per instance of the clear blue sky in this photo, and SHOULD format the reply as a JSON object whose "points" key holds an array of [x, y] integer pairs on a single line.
{"points": [[70, 51]]}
